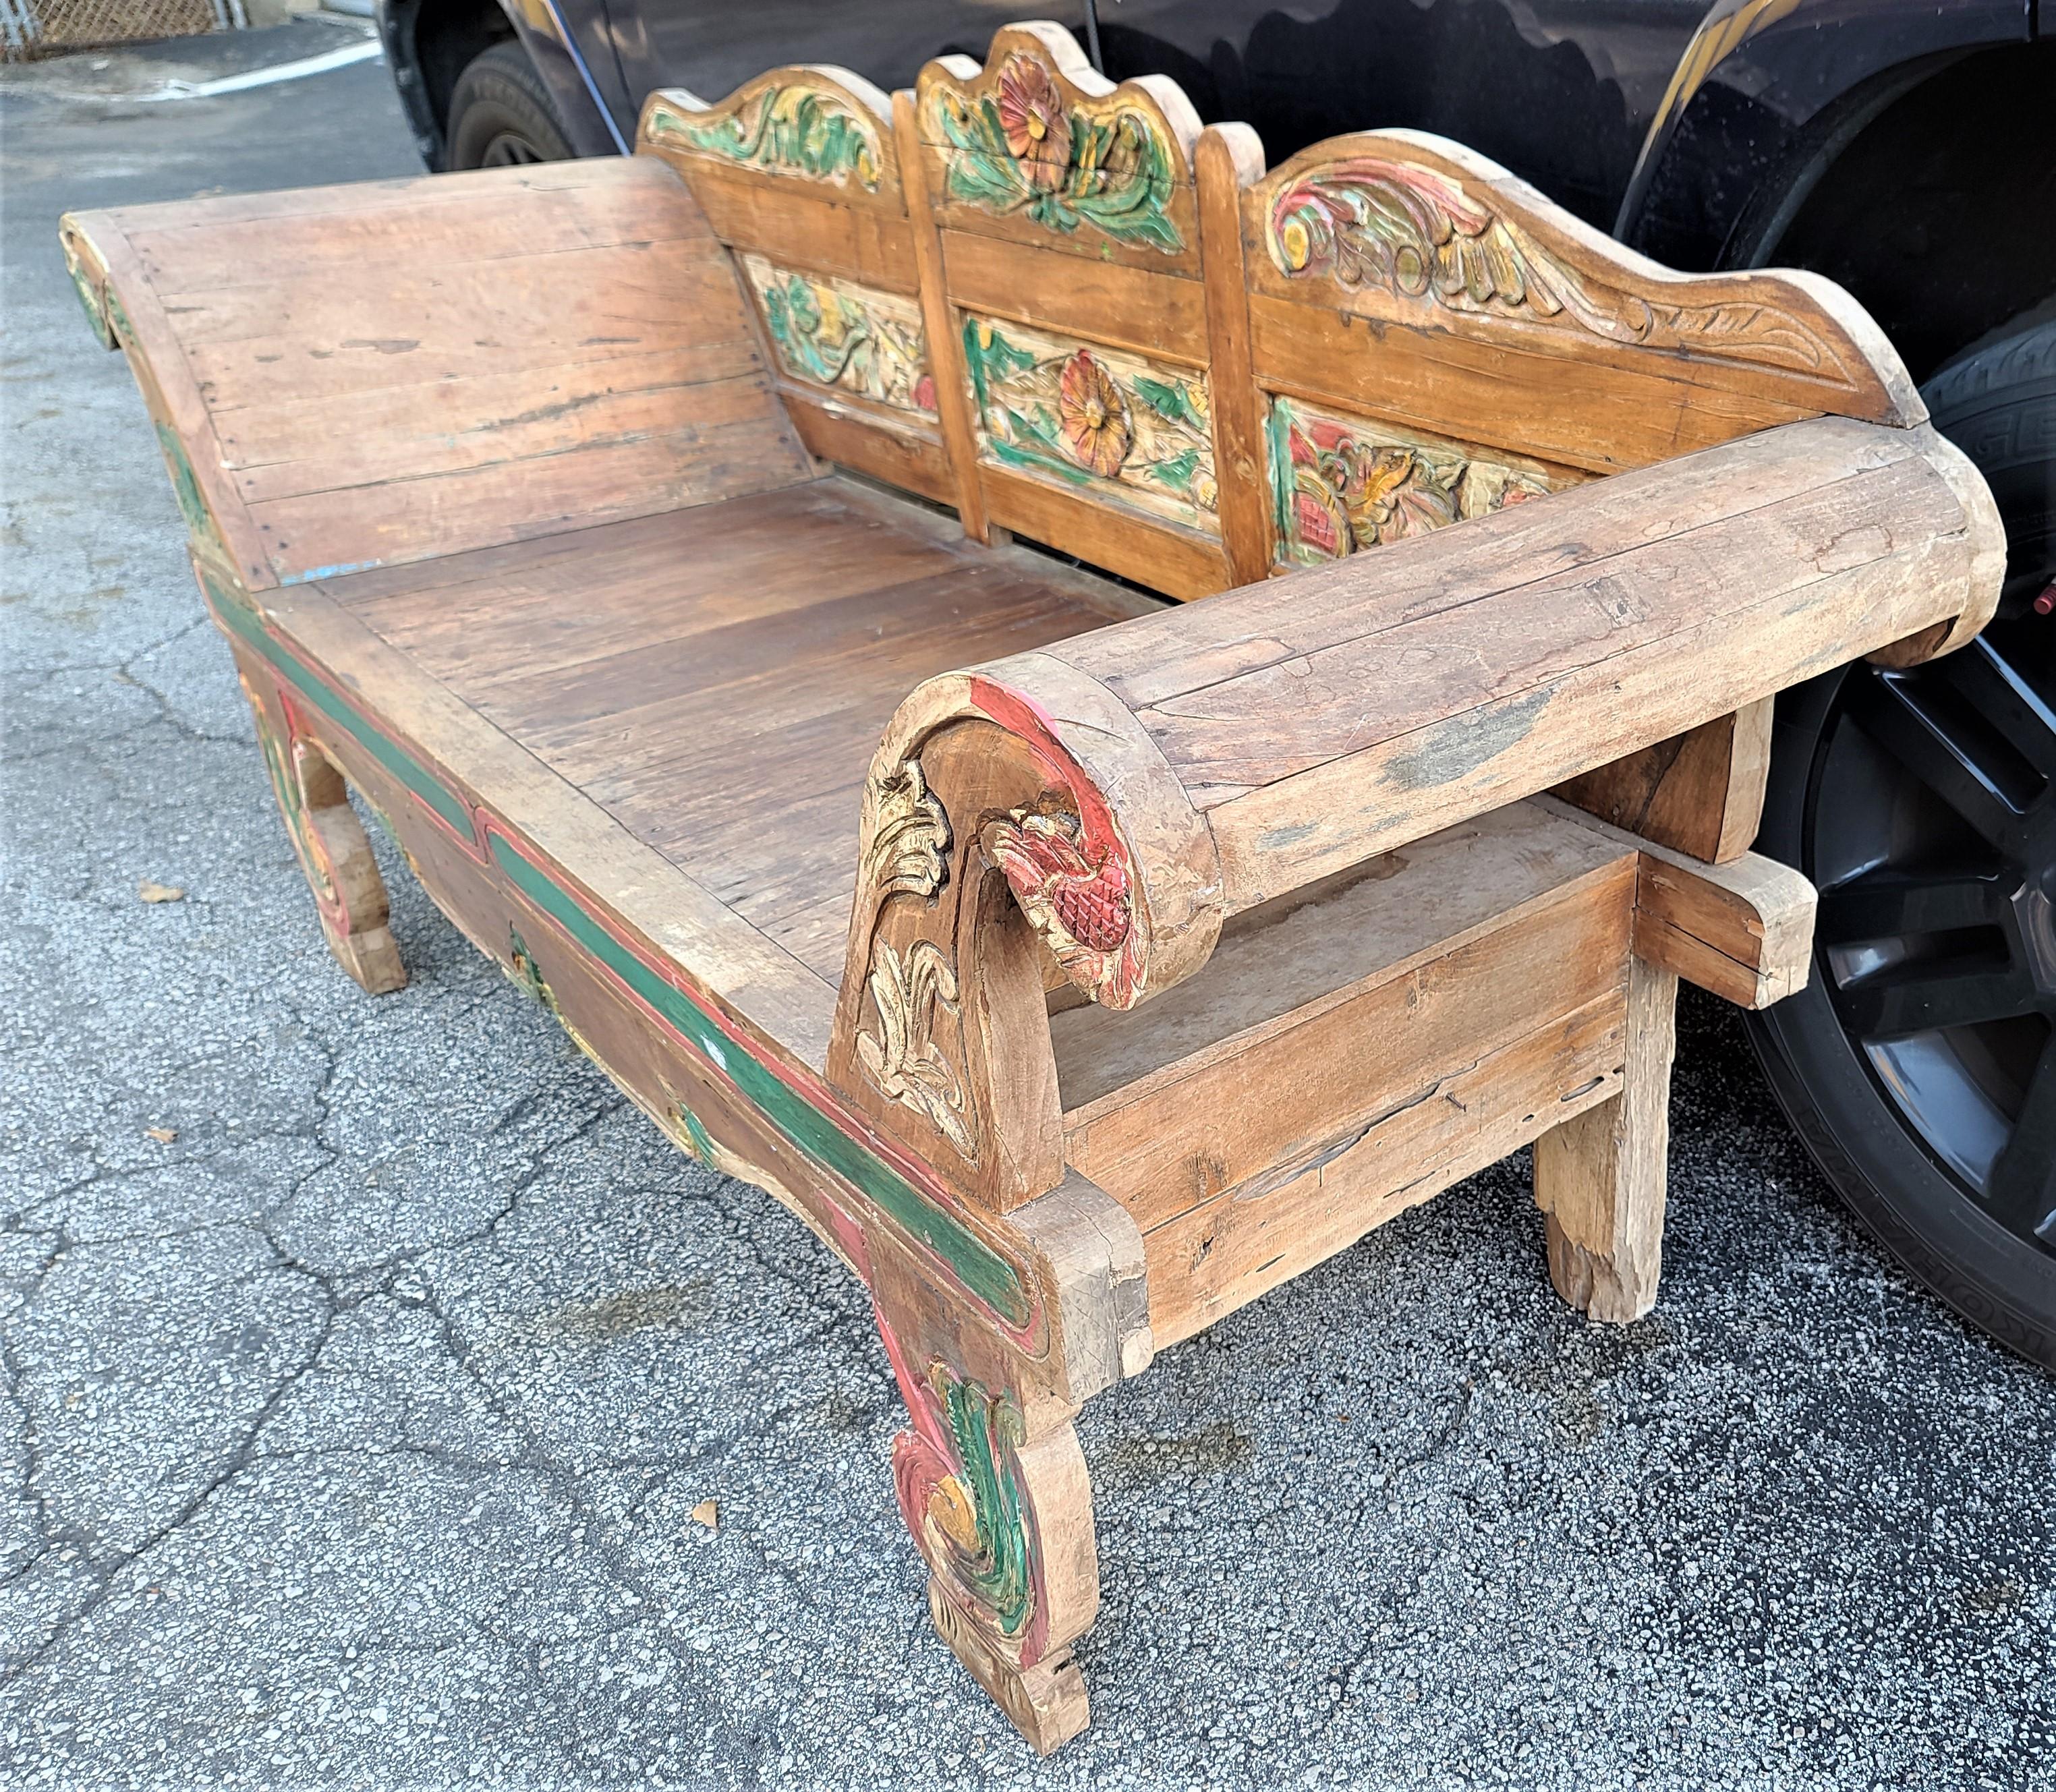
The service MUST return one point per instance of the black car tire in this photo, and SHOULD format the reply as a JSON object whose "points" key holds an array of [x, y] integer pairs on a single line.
{"points": [[1850, 1079], [500, 114]]}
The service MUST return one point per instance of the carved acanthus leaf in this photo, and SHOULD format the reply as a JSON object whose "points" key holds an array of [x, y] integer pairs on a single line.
{"points": [[1412, 231], [907, 833], [902, 1058]]}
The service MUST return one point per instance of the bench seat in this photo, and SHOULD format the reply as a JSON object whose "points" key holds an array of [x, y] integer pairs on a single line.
{"points": [[716, 678]]}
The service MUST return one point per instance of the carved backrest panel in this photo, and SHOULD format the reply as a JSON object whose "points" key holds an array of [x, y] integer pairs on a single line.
{"points": [[1432, 339], [800, 174], [1068, 227]]}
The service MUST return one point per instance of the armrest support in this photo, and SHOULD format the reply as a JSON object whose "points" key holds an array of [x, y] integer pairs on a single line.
{"points": [[1742, 930]]}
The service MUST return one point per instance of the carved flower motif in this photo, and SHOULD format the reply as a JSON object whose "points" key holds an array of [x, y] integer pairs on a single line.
{"points": [[1391, 493], [1094, 416], [1039, 132]]}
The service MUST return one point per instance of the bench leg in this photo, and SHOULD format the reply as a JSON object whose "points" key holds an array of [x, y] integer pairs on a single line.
{"points": [[1600, 1178], [328, 839], [1003, 1519]]}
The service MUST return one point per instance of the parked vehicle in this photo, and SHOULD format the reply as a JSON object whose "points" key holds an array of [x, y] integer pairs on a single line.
{"points": [[1906, 150]]}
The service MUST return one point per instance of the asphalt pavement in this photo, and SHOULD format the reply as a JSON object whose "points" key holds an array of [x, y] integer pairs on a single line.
{"points": [[365, 1359]]}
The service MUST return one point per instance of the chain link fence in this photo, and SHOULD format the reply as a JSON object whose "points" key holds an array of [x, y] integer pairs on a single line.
{"points": [[31, 28]]}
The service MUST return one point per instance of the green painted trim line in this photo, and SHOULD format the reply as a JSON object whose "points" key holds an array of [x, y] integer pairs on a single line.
{"points": [[983, 1270], [240, 616]]}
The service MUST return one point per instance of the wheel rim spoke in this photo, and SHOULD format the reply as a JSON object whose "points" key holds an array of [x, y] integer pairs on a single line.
{"points": [[1888, 708], [1902, 999], [2021, 1192], [1887, 905], [1998, 692]]}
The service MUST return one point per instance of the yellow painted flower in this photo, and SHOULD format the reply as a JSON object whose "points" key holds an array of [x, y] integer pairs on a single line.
{"points": [[1297, 243], [1093, 414]]}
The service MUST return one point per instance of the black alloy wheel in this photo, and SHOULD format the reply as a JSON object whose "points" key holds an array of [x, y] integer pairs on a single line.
{"points": [[1919, 1063]]}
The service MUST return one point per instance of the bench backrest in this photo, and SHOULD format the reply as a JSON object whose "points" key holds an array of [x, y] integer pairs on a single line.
{"points": [[346, 376], [1145, 349], [799, 172]]}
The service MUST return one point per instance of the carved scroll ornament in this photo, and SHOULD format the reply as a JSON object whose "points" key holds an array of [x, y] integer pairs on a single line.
{"points": [[800, 122], [902, 1058], [1406, 229]]}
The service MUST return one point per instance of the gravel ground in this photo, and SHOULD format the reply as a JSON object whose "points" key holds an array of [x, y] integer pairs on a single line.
{"points": [[353, 1433]]}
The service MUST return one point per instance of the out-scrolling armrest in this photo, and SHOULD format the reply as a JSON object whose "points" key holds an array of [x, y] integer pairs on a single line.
{"points": [[1121, 794]]}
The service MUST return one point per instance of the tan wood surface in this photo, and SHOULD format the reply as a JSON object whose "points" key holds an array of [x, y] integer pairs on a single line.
{"points": [[1309, 1025], [717, 679], [427, 404], [1600, 1178]]}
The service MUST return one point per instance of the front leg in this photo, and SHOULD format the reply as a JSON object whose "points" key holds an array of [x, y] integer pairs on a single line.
{"points": [[991, 1481], [328, 839]]}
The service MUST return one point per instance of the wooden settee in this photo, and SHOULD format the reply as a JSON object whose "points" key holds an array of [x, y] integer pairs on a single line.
{"points": [[1079, 997]]}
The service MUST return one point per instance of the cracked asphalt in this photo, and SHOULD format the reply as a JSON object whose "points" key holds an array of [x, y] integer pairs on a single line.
{"points": [[353, 1433]]}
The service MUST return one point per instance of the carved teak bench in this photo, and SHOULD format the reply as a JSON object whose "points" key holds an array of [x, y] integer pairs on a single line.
{"points": [[1077, 998]]}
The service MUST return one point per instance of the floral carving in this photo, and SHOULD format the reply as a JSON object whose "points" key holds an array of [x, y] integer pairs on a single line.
{"points": [[1410, 231], [902, 1059], [1022, 148], [833, 333], [1031, 114], [1339, 484], [1094, 416], [789, 127], [907, 833], [1138, 433], [1082, 906]]}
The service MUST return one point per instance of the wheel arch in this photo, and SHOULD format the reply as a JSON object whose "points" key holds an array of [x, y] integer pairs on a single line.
{"points": [[428, 42], [1781, 110]]}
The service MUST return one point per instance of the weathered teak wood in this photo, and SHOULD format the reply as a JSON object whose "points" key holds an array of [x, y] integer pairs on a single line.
{"points": [[799, 172], [474, 381], [1515, 352], [1078, 998], [1070, 259]]}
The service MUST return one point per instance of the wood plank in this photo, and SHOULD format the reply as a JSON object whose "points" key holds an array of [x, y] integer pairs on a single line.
{"points": [[759, 984], [1206, 1262], [452, 425], [1255, 1105], [798, 224], [405, 192], [626, 298], [502, 220], [1179, 562], [446, 513], [1142, 309], [1608, 415], [1301, 950], [1484, 257]]}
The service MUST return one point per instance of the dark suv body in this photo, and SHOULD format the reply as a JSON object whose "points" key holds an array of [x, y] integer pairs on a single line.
{"points": [[1907, 148]]}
